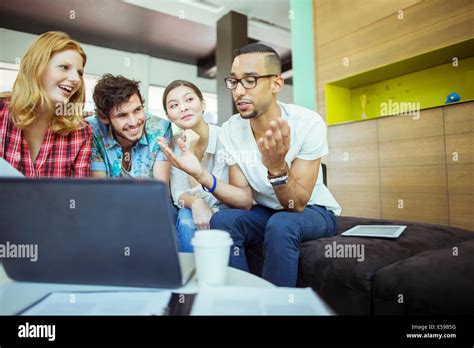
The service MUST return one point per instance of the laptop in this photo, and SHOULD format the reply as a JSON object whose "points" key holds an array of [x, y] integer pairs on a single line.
{"points": [[86, 231]]}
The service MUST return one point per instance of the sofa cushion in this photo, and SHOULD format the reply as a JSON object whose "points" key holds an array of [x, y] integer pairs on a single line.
{"points": [[417, 237], [434, 282], [345, 283]]}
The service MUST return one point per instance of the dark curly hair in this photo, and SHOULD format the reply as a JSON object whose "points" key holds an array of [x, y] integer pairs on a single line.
{"points": [[111, 91]]}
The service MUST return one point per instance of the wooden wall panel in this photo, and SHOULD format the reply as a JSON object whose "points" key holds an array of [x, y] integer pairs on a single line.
{"points": [[356, 133], [461, 178], [375, 162], [414, 169], [344, 29], [452, 30], [363, 204], [416, 179], [353, 168], [461, 209], [460, 148], [388, 28], [459, 118], [355, 179], [350, 16], [354, 156], [424, 207], [412, 152], [429, 123]]}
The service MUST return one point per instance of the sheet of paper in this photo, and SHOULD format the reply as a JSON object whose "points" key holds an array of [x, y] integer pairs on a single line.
{"points": [[102, 303], [258, 301]]}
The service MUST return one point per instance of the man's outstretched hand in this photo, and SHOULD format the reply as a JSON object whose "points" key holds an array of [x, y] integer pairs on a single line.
{"points": [[274, 146]]}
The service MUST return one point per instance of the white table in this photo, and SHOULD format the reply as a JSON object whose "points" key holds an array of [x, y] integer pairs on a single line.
{"points": [[15, 296]]}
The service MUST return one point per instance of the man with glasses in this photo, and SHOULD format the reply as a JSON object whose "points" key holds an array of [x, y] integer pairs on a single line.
{"points": [[278, 148], [293, 204]]}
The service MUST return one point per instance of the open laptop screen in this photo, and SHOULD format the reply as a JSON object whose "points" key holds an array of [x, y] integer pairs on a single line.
{"points": [[109, 232]]}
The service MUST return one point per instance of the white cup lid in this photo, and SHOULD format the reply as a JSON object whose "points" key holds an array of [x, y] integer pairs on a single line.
{"points": [[211, 238]]}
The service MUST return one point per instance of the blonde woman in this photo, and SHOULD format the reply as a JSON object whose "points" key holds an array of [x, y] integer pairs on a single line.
{"points": [[42, 132]]}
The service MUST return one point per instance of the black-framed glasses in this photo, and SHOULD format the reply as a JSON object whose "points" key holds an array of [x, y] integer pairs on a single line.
{"points": [[248, 82]]}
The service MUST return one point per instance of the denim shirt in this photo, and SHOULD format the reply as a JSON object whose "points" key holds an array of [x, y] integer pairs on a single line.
{"points": [[107, 152]]}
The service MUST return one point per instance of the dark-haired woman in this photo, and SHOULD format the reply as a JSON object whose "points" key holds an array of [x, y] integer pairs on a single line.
{"points": [[184, 105]]}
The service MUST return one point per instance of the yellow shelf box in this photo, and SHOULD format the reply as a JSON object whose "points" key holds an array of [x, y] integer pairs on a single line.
{"points": [[405, 87]]}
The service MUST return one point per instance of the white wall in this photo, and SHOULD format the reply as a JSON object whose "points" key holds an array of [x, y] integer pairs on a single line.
{"points": [[286, 94], [100, 60]]}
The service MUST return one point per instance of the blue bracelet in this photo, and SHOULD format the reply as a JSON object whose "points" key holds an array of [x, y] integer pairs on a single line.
{"points": [[213, 188]]}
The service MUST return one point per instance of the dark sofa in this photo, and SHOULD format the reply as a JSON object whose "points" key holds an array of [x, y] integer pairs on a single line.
{"points": [[429, 269]]}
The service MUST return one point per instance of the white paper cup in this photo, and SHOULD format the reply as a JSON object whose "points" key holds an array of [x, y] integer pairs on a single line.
{"points": [[211, 253]]}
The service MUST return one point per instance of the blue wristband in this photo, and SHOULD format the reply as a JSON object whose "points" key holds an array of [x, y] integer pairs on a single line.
{"points": [[213, 188]]}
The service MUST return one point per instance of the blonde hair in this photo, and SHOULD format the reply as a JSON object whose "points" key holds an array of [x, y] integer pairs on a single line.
{"points": [[29, 96]]}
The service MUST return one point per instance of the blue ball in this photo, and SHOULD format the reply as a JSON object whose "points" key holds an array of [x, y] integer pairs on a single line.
{"points": [[452, 98]]}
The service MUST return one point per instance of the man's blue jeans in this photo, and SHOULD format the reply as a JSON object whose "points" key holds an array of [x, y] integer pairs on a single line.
{"points": [[281, 233]]}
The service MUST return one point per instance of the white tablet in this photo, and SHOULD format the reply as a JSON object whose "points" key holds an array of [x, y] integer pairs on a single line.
{"points": [[381, 231]]}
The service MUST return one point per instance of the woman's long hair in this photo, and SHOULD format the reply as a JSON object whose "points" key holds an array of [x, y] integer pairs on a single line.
{"points": [[29, 96]]}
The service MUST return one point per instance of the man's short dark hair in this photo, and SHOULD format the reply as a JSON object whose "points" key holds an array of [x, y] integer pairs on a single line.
{"points": [[111, 91], [272, 59]]}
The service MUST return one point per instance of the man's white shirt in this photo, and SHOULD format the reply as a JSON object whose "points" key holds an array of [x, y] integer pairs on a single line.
{"points": [[308, 142]]}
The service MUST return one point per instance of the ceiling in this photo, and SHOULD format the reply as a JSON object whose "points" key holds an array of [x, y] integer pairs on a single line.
{"points": [[268, 19], [183, 31]]}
